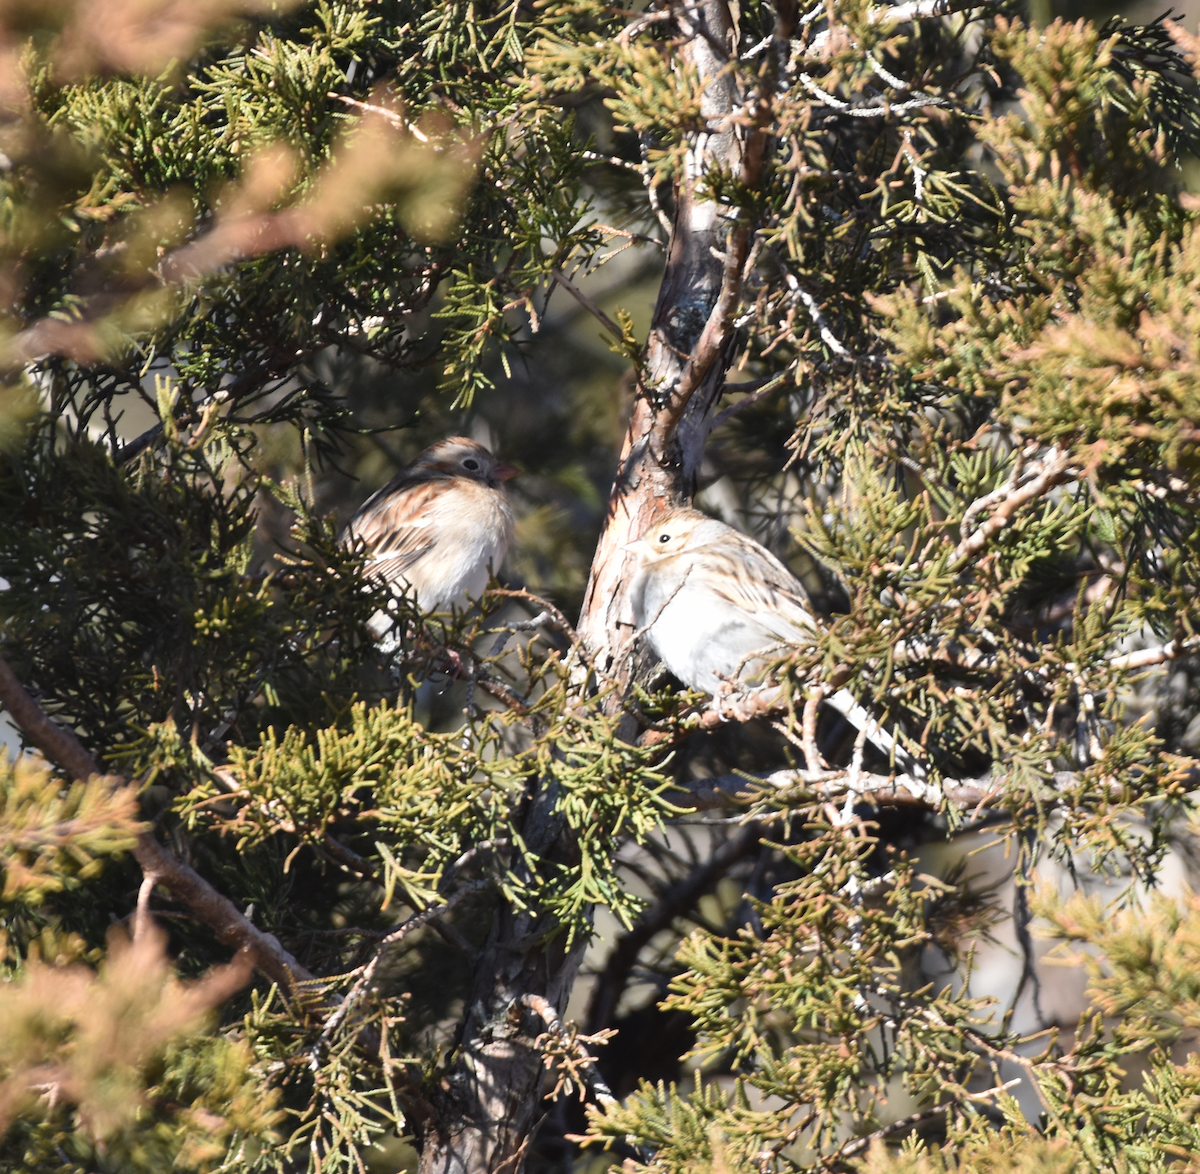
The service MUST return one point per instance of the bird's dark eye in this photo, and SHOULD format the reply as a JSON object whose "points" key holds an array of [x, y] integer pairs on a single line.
{"points": [[471, 463], [664, 538]]}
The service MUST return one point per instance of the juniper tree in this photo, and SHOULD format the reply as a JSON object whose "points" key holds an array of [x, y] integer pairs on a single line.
{"points": [[923, 322]]}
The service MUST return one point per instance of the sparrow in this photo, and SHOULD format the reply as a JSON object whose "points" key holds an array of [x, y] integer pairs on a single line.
{"points": [[713, 604], [438, 529], [717, 608]]}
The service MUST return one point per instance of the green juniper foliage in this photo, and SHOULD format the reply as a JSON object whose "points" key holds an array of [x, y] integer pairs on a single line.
{"points": [[252, 253]]}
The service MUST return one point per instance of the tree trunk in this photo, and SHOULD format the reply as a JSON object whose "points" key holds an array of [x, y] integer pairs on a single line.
{"points": [[689, 348], [486, 1110], [484, 1114]]}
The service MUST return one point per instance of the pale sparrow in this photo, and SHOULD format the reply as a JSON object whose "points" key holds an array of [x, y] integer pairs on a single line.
{"points": [[717, 608], [714, 605], [440, 528]]}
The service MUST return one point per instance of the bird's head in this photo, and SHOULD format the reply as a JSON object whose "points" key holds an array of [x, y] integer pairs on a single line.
{"points": [[456, 456], [678, 531]]}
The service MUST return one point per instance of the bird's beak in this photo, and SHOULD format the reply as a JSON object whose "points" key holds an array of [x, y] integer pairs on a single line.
{"points": [[637, 544], [504, 472]]}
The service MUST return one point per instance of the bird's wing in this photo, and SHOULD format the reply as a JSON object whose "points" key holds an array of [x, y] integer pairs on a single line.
{"points": [[759, 584], [396, 527]]}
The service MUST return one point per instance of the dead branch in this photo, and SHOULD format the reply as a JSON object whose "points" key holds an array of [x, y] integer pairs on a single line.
{"points": [[889, 15], [560, 622], [570, 1049], [756, 392], [975, 659], [1161, 654], [393, 116], [823, 786], [878, 790]]}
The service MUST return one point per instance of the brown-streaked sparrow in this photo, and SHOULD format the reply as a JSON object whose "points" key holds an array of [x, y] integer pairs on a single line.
{"points": [[439, 529], [717, 608]]}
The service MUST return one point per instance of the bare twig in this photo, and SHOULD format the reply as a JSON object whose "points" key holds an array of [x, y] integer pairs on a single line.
{"points": [[825, 786], [648, 182], [508, 630], [556, 618], [247, 382], [364, 980], [872, 111], [755, 395], [1016, 478], [830, 339], [894, 14], [505, 694], [138, 444], [570, 1049], [625, 165], [1146, 657], [640, 24], [143, 920], [808, 726], [589, 305], [393, 116], [633, 237]]}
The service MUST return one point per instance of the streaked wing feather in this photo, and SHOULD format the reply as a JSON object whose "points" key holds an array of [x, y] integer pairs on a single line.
{"points": [[391, 569], [395, 527], [765, 588]]}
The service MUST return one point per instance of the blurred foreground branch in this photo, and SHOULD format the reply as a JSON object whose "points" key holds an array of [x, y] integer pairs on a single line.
{"points": [[211, 907]]}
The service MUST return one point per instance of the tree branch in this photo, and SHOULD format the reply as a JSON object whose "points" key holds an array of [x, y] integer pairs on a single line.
{"points": [[589, 305], [573, 1047], [1161, 654], [889, 15], [61, 746], [57, 744], [691, 335], [1052, 470], [880, 790], [713, 340]]}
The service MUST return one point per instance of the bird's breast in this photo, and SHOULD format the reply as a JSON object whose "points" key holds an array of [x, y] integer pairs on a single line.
{"points": [[704, 638], [473, 527]]}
